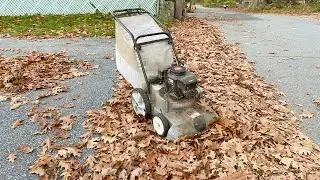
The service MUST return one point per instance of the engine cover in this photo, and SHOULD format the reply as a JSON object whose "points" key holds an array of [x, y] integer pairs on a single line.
{"points": [[181, 82]]}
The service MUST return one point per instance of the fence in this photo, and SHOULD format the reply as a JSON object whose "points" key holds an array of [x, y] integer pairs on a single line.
{"points": [[23, 7]]}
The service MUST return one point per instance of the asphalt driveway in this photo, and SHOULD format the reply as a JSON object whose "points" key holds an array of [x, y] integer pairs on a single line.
{"points": [[92, 90], [286, 52]]}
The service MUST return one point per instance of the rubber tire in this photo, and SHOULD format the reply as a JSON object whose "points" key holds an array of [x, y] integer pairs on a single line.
{"points": [[145, 99], [165, 123]]}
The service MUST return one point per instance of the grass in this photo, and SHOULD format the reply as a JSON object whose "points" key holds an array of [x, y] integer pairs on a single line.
{"points": [[83, 25], [166, 22], [218, 3]]}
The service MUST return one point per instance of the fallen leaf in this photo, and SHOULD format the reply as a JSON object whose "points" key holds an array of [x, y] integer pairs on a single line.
{"points": [[108, 172], [286, 161], [307, 113], [67, 122], [108, 56], [75, 96], [91, 161], [37, 170], [303, 150], [25, 148], [58, 97], [12, 157], [317, 104], [136, 173], [152, 157], [3, 98], [17, 123], [15, 106], [68, 151], [68, 106], [242, 175], [62, 134]]}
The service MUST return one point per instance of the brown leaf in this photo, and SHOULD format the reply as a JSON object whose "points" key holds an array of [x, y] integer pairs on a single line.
{"points": [[108, 172], [75, 96], [286, 161], [58, 97], [68, 106], [136, 173], [152, 157], [3, 98], [307, 113], [17, 123], [242, 175], [145, 142], [317, 104], [91, 161], [93, 142], [37, 170], [12, 157], [15, 106], [62, 134], [108, 56], [66, 152], [25, 148]]}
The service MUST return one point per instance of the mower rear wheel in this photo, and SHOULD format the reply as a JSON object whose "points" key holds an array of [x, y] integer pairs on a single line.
{"points": [[160, 124], [140, 102]]}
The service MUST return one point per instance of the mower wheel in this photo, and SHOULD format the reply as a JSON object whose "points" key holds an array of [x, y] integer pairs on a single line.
{"points": [[140, 102], [160, 124]]}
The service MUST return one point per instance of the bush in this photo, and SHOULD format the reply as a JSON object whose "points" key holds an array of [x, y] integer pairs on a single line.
{"points": [[315, 7], [218, 3]]}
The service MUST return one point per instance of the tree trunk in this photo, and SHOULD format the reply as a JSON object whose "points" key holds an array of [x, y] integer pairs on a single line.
{"points": [[166, 10], [179, 8], [254, 3]]}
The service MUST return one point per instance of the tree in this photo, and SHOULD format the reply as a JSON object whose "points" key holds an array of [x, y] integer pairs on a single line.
{"points": [[179, 9]]}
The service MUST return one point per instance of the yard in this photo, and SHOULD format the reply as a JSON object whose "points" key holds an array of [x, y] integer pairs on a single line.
{"points": [[66, 112]]}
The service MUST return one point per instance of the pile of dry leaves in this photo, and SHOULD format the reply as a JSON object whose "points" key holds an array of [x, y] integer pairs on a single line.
{"points": [[37, 71], [255, 137]]}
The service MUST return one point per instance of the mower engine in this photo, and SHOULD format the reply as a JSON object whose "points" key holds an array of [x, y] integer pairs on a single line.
{"points": [[181, 83]]}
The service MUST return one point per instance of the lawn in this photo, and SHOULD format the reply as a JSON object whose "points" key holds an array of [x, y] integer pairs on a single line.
{"points": [[75, 25]]}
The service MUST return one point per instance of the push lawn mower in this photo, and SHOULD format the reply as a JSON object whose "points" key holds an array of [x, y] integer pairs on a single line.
{"points": [[163, 88]]}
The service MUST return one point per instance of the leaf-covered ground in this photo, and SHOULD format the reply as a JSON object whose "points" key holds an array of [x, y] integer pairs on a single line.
{"points": [[255, 136], [37, 71]]}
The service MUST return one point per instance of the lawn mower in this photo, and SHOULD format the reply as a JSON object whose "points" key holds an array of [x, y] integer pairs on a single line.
{"points": [[164, 89]]}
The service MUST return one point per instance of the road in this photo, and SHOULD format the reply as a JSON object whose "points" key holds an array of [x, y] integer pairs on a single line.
{"points": [[286, 52], [93, 89]]}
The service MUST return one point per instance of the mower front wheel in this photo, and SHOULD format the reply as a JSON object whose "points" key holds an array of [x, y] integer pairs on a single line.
{"points": [[160, 124], [140, 102]]}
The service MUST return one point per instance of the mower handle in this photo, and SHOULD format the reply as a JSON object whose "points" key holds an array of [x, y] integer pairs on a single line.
{"points": [[153, 34], [119, 13]]}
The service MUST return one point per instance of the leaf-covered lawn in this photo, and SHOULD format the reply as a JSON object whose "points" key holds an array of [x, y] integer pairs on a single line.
{"points": [[83, 25]]}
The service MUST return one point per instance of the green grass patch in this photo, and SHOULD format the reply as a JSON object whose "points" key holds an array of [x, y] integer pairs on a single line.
{"points": [[166, 22], [218, 3], [75, 25]]}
